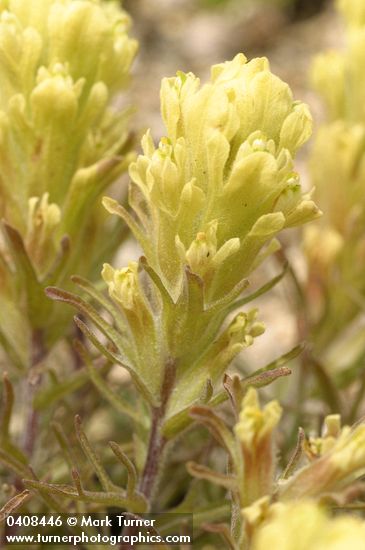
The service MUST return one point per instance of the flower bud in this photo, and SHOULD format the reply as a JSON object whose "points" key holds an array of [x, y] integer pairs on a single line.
{"points": [[122, 284], [254, 431]]}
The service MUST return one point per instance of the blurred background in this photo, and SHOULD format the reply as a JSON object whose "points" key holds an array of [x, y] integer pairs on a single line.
{"points": [[192, 35]]}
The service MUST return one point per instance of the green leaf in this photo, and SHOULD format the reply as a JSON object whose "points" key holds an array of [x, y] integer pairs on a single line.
{"points": [[262, 290], [263, 376], [119, 404], [13, 464], [137, 504], [117, 359], [38, 307], [100, 298], [13, 504], [219, 430], [93, 458], [114, 207], [225, 532], [63, 442], [90, 312], [131, 469], [229, 482], [46, 396], [6, 409]]}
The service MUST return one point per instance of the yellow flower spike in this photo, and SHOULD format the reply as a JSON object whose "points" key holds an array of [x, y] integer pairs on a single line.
{"points": [[244, 328], [306, 526], [254, 431], [318, 446], [232, 142]]}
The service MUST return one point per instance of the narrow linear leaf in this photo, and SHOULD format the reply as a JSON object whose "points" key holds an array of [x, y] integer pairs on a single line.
{"points": [[283, 359], [7, 408], [10, 462], [72, 299], [64, 444], [223, 530], [234, 390], [57, 391], [137, 504], [326, 385], [114, 207], [37, 305], [256, 381], [294, 459], [203, 472], [26, 472], [156, 279], [13, 504], [274, 366], [115, 400], [265, 378], [132, 472], [226, 301], [20, 255], [90, 454], [219, 430], [116, 359], [262, 290], [56, 270], [99, 297], [77, 481]]}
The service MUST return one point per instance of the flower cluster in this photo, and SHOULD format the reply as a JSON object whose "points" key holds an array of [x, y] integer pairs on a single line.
{"points": [[61, 144], [221, 184], [323, 470]]}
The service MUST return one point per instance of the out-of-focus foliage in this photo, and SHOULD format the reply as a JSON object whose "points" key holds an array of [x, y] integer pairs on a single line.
{"points": [[61, 144], [336, 246]]}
